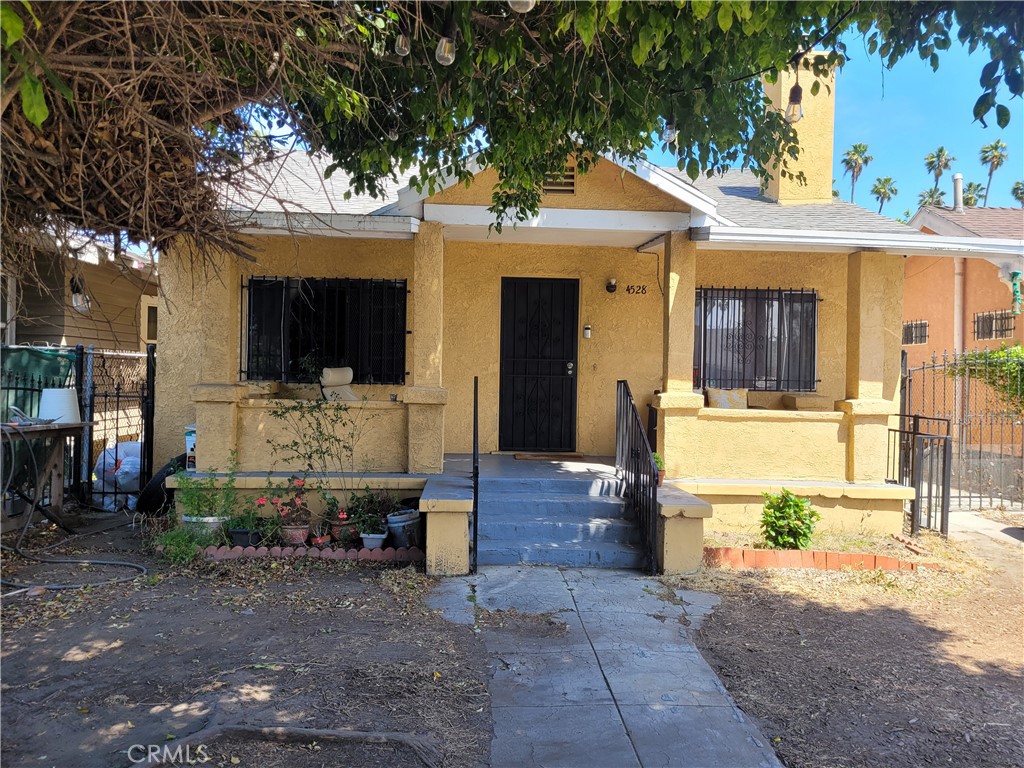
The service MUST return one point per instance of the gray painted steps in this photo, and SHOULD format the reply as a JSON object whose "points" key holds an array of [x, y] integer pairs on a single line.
{"points": [[575, 520]]}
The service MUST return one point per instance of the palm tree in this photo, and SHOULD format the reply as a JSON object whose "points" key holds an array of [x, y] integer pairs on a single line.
{"points": [[883, 190], [937, 162], [931, 197], [993, 155], [973, 192], [1018, 193], [854, 160]]}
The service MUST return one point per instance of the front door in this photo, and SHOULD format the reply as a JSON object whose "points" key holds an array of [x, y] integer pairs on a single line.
{"points": [[537, 401]]}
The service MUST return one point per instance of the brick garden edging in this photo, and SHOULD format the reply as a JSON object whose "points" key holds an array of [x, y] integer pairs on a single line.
{"points": [[736, 557], [391, 555]]}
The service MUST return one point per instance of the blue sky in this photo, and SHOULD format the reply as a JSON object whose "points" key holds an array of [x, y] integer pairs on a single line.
{"points": [[904, 113]]}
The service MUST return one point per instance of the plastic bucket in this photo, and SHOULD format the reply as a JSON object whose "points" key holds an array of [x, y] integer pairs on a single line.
{"points": [[404, 528]]}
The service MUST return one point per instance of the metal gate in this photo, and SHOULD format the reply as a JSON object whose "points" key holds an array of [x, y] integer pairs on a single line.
{"points": [[116, 394], [980, 394]]}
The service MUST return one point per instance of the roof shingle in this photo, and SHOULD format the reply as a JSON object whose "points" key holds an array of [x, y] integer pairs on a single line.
{"points": [[985, 222], [739, 199]]}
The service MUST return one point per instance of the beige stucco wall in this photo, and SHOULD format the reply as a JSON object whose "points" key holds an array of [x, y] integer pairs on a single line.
{"points": [[605, 187], [625, 341], [200, 334]]}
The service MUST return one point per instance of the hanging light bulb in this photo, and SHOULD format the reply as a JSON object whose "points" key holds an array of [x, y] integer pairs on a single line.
{"points": [[403, 45], [522, 6], [393, 134], [445, 51], [795, 110], [670, 133]]}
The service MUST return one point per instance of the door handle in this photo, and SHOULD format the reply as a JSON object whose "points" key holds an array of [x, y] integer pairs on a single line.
{"points": [[569, 366]]}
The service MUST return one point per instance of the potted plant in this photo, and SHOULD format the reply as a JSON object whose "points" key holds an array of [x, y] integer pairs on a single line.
{"points": [[289, 504], [320, 532], [205, 507], [369, 514], [660, 464], [245, 528]]}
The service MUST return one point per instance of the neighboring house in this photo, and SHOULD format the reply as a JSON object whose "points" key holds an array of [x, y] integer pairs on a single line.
{"points": [[96, 299], [954, 305], [787, 305]]}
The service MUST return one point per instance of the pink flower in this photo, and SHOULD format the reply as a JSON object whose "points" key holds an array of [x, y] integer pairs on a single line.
{"points": [[261, 501], [275, 501], [299, 482], [298, 499], [343, 515]]}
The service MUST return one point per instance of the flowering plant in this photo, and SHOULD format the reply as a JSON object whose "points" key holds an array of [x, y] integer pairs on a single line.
{"points": [[289, 502]]}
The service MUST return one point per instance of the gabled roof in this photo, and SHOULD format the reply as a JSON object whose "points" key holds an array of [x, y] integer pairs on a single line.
{"points": [[977, 222], [294, 183], [739, 199]]}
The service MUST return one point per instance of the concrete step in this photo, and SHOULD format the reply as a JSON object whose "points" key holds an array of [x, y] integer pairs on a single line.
{"points": [[575, 507], [574, 484], [538, 529], [594, 554]]}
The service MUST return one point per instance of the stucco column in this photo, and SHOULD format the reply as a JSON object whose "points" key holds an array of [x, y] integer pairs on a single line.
{"points": [[426, 398], [678, 404], [874, 303]]}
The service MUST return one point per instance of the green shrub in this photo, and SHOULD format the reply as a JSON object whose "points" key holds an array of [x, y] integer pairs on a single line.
{"points": [[788, 520], [658, 461], [181, 545]]}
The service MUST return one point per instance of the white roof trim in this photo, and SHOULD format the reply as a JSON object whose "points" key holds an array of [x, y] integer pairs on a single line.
{"points": [[330, 225], [410, 202], [655, 222], [831, 240]]}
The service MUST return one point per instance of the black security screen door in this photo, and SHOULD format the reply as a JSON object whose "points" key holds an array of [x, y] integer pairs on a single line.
{"points": [[537, 410]]}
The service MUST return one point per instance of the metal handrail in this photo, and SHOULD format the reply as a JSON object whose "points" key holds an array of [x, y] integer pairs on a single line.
{"points": [[635, 467], [476, 472]]}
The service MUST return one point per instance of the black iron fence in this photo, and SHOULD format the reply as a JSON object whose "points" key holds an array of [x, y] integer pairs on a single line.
{"points": [[981, 394], [635, 467], [113, 459], [919, 458]]}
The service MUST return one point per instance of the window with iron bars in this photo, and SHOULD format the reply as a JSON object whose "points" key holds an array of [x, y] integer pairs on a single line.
{"points": [[915, 332], [295, 327], [759, 339], [993, 325]]}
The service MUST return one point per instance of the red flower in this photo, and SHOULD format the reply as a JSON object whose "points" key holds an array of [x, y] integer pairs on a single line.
{"points": [[299, 483], [261, 501], [343, 515]]}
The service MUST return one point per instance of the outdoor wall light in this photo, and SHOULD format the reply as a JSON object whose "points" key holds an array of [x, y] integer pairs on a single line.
{"points": [[611, 286], [80, 301], [586, 331]]}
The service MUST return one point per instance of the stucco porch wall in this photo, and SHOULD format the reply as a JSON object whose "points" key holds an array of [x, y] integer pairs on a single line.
{"points": [[625, 342], [716, 442], [200, 336]]}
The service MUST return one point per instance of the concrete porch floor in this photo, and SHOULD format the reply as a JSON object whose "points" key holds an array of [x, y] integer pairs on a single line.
{"points": [[507, 466]]}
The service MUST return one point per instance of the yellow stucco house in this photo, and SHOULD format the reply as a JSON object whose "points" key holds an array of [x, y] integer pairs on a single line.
{"points": [[784, 304]]}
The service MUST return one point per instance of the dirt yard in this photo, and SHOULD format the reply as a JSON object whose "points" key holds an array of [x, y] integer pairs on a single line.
{"points": [[871, 669], [325, 645]]}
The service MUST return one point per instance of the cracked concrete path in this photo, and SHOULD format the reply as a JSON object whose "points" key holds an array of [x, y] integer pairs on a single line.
{"points": [[596, 668]]}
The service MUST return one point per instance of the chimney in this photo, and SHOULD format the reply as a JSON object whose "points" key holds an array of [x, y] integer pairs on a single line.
{"points": [[814, 133], [958, 192]]}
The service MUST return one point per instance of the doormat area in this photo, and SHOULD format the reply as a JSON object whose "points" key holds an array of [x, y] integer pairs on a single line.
{"points": [[548, 456]]}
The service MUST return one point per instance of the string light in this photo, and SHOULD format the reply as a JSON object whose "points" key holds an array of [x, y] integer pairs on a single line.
{"points": [[403, 45], [795, 110], [522, 6], [670, 133], [445, 51]]}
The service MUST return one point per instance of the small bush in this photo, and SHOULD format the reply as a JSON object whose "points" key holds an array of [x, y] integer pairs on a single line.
{"points": [[788, 520], [181, 545]]}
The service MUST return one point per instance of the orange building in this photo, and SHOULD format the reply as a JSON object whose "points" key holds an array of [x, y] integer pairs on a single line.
{"points": [[963, 303]]}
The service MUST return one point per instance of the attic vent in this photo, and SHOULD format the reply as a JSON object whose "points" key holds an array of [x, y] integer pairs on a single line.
{"points": [[560, 184]]}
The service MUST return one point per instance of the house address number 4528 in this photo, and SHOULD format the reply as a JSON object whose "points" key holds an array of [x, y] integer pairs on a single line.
{"points": [[636, 289]]}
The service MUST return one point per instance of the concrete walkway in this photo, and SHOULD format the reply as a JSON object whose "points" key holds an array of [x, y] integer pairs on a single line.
{"points": [[609, 678]]}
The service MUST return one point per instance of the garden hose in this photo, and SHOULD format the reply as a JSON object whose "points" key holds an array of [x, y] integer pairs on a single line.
{"points": [[19, 587]]}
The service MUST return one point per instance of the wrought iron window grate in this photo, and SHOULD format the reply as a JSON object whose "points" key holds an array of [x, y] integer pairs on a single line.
{"points": [[915, 332], [993, 325], [294, 327], [760, 339]]}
